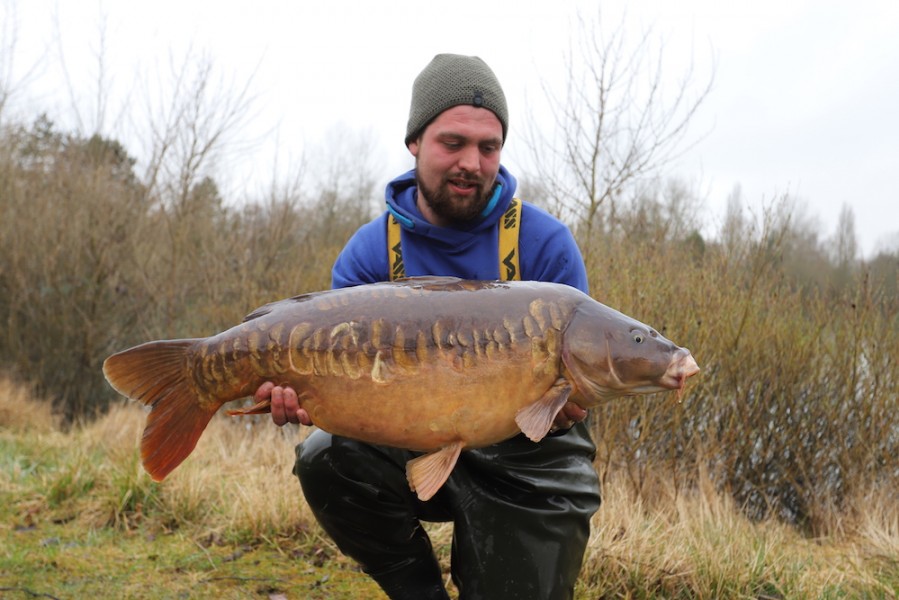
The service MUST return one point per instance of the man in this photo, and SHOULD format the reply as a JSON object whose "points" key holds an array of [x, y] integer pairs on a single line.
{"points": [[521, 510]]}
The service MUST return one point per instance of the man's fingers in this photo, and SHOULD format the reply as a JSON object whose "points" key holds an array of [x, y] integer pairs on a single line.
{"points": [[570, 414], [295, 413], [264, 391], [303, 417], [290, 400], [574, 412], [279, 411]]}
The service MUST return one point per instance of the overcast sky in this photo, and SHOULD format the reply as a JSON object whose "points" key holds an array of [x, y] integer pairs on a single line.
{"points": [[804, 102]]}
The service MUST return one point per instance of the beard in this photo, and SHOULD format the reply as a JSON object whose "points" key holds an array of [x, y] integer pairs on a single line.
{"points": [[452, 207]]}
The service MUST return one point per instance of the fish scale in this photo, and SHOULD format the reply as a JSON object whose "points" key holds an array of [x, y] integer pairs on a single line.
{"points": [[436, 365]]}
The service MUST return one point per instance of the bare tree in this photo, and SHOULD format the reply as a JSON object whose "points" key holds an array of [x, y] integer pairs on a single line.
{"points": [[10, 81], [842, 249], [7, 52], [89, 119], [193, 118], [844, 245], [193, 115], [345, 170], [733, 230], [616, 121]]}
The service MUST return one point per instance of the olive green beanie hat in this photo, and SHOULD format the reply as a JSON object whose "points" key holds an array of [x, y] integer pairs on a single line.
{"points": [[450, 80]]}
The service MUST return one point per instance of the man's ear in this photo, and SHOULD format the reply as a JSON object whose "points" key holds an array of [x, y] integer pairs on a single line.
{"points": [[413, 146]]}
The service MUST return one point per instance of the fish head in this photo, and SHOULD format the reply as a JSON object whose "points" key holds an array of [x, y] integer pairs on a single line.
{"points": [[608, 354]]}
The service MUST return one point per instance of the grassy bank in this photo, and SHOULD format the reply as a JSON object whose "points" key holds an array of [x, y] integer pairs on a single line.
{"points": [[80, 518]]}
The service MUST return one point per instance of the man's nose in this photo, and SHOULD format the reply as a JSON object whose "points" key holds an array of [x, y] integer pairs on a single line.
{"points": [[470, 159]]}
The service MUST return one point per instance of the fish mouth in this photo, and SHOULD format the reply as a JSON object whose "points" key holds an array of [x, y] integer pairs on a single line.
{"points": [[682, 367]]}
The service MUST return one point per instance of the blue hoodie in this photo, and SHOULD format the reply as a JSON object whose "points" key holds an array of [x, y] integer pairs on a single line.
{"points": [[547, 250]]}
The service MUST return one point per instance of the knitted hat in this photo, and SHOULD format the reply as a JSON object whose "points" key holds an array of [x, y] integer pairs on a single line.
{"points": [[450, 80]]}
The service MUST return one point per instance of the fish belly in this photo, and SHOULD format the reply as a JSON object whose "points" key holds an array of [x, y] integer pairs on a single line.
{"points": [[428, 410]]}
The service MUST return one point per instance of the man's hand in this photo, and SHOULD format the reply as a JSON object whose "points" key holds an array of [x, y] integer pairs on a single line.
{"points": [[570, 414], [285, 404]]}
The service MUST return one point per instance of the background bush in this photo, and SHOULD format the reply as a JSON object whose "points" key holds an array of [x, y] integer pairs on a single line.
{"points": [[94, 260], [794, 412]]}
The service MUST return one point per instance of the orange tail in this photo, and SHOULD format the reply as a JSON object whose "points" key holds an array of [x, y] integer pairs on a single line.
{"points": [[155, 374]]}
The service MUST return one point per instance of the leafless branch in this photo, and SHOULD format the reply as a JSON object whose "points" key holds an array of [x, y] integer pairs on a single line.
{"points": [[615, 122], [193, 118], [10, 83]]}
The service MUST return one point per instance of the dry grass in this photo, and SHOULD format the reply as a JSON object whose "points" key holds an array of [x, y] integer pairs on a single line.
{"points": [[20, 412], [234, 482], [236, 490], [699, 545]]}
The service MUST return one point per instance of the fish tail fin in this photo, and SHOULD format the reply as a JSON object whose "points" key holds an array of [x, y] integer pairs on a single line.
{"points": [[156, 374]]}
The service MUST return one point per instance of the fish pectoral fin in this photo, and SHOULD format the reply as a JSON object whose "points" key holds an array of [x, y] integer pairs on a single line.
{"points": [[536, 419], [427, 473], [260, 408]]}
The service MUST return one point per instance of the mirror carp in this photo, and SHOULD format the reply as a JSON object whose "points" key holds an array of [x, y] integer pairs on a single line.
{"points": [[430, 364]]}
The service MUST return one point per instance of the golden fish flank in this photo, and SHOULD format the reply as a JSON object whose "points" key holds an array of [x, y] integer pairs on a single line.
{"points": [[351, 349], [431, 364]]}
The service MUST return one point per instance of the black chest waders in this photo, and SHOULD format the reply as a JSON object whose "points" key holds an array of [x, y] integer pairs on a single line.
{"points": [[521, 510]]}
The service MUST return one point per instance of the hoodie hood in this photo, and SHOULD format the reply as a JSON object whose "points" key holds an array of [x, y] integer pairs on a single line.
{"points": [[401, 197]]}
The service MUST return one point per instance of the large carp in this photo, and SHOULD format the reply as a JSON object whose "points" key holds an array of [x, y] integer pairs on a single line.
{"points": [[432, 364]]}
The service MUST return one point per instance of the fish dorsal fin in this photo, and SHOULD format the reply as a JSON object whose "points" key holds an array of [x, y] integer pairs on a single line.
{"points": [[427, 473], [425, 280], [287, 303], [536, 419], [430, 282]]}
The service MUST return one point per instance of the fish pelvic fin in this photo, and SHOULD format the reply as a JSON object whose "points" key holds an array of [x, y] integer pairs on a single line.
{"points": [[262, 407], [428, 473], [536, 419], [156, 374]]}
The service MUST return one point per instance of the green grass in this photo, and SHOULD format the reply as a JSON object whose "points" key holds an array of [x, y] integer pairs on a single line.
{"points": [[65, 561], [68, 533]]}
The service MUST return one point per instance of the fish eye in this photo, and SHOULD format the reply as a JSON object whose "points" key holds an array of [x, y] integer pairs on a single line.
{"points": [[638, 337]]}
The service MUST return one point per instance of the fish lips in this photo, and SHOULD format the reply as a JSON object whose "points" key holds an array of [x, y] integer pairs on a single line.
{"points": [[682, 367]]}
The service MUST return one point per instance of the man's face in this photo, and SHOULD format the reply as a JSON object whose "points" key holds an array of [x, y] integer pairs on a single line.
{"points": [[456, 162]]}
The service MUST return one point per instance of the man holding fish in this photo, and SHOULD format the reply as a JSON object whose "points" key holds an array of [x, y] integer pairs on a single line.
{"points": [[437, 397], [521, 510]]}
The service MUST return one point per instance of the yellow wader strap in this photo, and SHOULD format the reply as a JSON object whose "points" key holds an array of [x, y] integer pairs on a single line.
{"points": [[394, 249], [509, 225], [509, 269]]}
